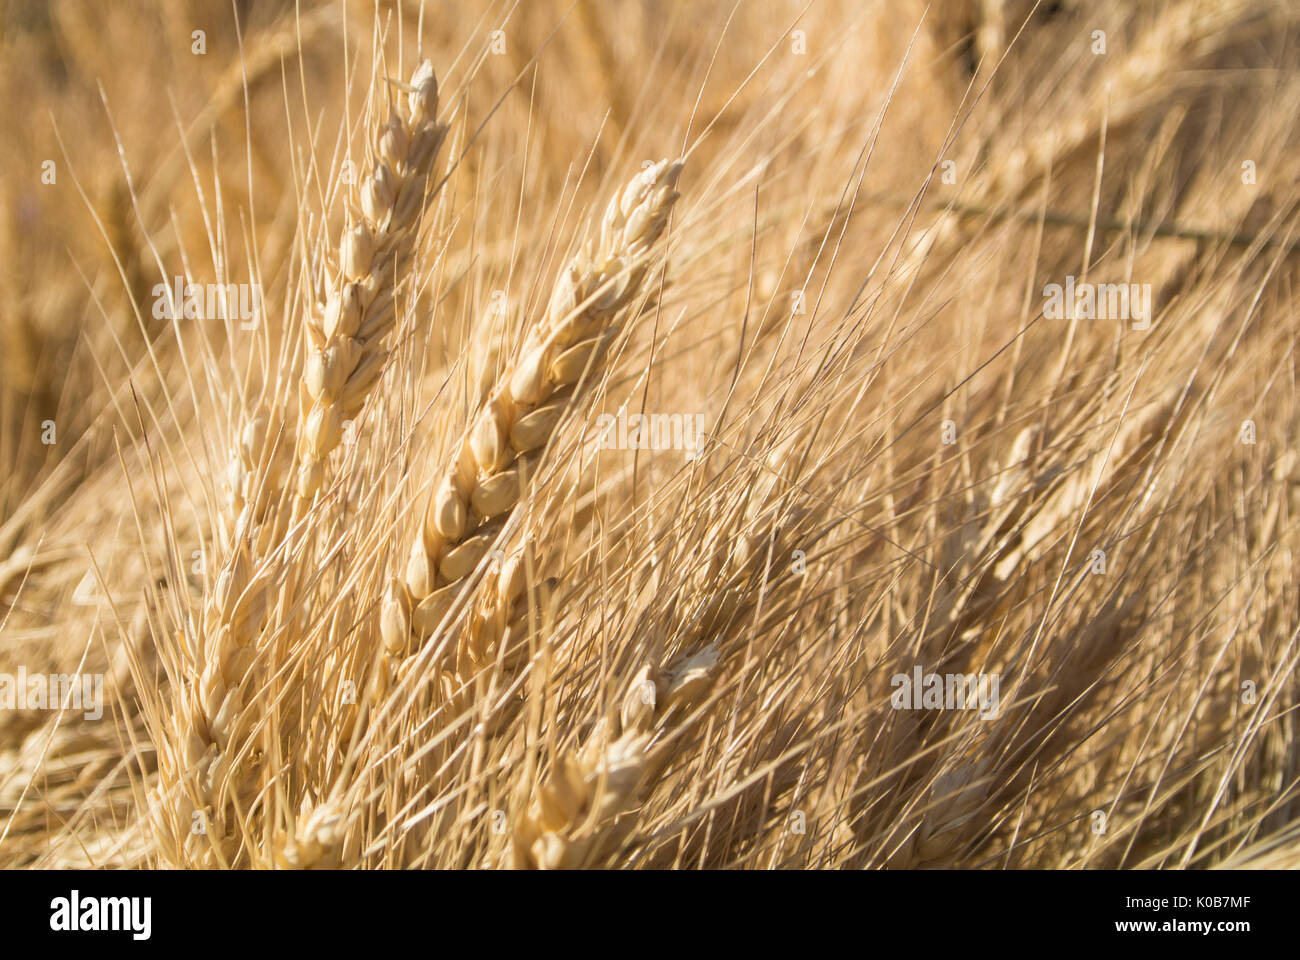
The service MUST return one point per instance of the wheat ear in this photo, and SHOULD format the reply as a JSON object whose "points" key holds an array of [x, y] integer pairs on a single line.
{"points": [[347, 335], [485, 478], [202, 772], [957, 796], [577, 817]]}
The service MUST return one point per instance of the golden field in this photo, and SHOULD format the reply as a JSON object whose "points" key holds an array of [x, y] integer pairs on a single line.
{"points": [[645, 434]]}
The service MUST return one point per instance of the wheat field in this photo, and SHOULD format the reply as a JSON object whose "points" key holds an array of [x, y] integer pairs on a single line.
{"points": [[640, 434]]}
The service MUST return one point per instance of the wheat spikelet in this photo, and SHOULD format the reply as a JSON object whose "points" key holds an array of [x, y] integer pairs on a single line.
{"points": [[575, 820], [660, 697], [744, 553], [1132, 87], [346, 351], [314, 839], [256, 471]]}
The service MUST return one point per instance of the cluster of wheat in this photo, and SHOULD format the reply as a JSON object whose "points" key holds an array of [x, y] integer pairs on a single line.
{"points": [[425, 562]]}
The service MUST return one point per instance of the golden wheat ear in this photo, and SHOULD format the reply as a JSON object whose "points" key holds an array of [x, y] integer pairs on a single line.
{"points": [[562, 353], [579, 814], [348, 334]]}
